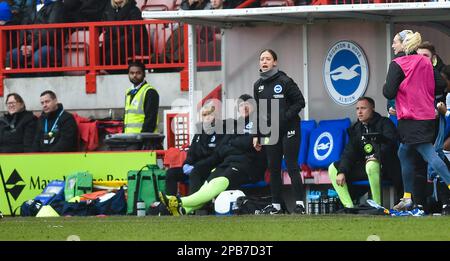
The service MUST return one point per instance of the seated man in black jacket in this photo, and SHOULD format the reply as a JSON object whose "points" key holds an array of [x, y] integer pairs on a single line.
{"points": [[372, 149], [238, 162], [57, 129], [203, 145]]}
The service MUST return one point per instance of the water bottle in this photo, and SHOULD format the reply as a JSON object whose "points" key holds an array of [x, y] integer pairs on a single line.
{"points": [[331, 205], [310, 206], [316, 206], [140, 207], [324, 205]]}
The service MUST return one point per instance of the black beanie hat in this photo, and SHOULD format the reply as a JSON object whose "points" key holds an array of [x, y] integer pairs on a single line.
{"points": [[245, 97]]}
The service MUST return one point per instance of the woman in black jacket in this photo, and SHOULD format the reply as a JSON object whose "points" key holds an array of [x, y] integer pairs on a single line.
{"points": [[202, 146], [17, 126], [125, 40], [284, 136]]}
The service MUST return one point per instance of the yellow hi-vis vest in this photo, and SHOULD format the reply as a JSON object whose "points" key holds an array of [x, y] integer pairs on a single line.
{"points": [[134, 110]]}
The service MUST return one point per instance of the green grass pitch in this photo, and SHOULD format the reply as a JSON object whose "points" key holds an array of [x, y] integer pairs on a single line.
{"points": [[228, 228]]}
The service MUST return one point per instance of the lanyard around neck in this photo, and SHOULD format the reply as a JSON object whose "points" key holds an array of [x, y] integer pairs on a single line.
{"points": [[54, 124]]}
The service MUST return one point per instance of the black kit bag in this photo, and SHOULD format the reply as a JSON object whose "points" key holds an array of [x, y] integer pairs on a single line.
{"points": [[248, 205]]}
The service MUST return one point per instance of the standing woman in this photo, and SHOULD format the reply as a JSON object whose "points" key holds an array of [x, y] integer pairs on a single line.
{"points": [[276, 85], [411, 81], [17, 126]]}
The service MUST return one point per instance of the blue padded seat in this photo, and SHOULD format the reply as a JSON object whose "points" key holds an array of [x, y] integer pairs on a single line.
{"points": [[325, 146], [343, 123]]}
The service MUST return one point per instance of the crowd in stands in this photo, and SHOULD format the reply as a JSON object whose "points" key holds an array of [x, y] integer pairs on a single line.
{"points": [[37, 49]]}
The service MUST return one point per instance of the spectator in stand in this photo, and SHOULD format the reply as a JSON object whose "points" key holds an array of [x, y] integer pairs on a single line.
{"points": [[215, 4], [194, 4], [238, 162], [17, 126], [10, 14], [35, 46], [203, 145], [123, 10], [366, 157], [302, 2], [19, 8], [57, 130], [230, 4], [84, 10], [407, 76], [208, 35], [5, 13]]}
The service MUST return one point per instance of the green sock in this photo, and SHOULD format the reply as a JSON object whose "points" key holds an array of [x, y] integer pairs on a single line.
{"points": [[206, 193], [342, 191], [373, 173]]}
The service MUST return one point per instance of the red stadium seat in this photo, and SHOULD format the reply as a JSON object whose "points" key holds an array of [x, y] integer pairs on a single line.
{"points": [[76, 51]]}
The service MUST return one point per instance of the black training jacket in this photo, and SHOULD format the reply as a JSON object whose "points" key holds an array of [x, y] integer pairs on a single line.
{"points": [[285, 90]]}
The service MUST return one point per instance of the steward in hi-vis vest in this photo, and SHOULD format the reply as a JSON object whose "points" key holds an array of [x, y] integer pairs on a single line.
{"points": [[141, 102]]}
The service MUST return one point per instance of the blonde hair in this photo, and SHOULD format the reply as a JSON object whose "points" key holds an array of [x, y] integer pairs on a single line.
{"points": [[115, 6], [410, 40], [208, 108]]}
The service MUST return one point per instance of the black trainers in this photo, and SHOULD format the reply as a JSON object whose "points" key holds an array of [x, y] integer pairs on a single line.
{"points": [[445, 210], [299, 209], [269, 210]]}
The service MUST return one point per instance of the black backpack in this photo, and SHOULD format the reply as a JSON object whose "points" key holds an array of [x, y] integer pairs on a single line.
{"points": [[247, 205]]}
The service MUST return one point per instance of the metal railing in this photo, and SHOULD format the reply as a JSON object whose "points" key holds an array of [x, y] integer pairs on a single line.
{"points": [[102, 47]]}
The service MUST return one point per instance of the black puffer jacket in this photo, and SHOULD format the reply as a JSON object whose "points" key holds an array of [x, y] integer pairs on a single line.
{"points": [[202, 146], [17, 132], [124, 38], [236, 150], [285, 90], [84, 10], [65, 132], [51, 13], [386, 151]]}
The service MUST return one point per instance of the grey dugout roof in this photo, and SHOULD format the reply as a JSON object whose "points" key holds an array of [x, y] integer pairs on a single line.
{"points": [[388, 12]]}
